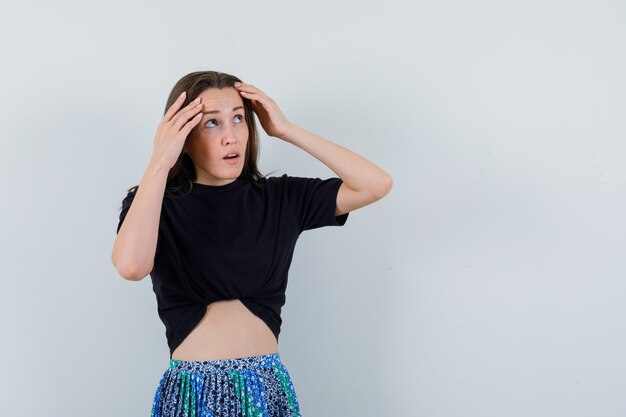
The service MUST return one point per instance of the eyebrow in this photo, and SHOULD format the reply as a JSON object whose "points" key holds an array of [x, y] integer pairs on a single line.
{"points": [[217, 111]]}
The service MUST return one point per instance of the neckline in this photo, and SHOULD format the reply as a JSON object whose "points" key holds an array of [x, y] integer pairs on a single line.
{"points": [[213, 188]]}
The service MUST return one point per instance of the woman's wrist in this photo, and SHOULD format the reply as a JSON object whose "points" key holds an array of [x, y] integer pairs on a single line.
{"points": [[156, 169], [292, 133]]}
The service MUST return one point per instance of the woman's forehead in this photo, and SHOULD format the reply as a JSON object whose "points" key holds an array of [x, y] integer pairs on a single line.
{"points": [[223, 99]]}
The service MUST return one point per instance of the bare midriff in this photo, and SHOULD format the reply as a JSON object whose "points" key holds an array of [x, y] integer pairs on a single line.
{"points": [[227, 330]]}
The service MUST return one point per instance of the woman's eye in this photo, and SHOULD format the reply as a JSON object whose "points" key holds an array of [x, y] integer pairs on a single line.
{"points": [[213, 120]]}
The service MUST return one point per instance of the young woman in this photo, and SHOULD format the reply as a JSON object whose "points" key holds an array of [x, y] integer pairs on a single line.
{"points": [[217, 239]]}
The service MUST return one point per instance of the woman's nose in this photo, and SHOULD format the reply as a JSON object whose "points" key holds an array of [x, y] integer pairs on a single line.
{"points": [[229, 136]]}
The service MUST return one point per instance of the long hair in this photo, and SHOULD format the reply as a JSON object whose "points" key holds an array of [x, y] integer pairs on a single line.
{"points": [[182, 174]]}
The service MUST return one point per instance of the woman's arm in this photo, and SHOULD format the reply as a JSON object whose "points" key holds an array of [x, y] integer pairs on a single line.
{"points": [[135, 243], [363, 182]]}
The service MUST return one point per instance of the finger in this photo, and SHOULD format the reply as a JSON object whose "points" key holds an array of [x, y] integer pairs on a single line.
{"points": [[181, 112], [250, 88], [258, 98], [175, 106], [254, 96], [252, 92], [191, 124], [183, 116], [189, 106]]}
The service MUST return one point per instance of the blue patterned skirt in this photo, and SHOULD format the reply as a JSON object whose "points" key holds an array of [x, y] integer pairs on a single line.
{"points": [[257, 386]]}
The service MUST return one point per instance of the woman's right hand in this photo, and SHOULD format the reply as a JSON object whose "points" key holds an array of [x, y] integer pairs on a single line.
{"points": [[173, 129]]}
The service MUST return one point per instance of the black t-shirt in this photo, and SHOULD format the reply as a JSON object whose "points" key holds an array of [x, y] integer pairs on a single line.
{"points": [[234, 241]]}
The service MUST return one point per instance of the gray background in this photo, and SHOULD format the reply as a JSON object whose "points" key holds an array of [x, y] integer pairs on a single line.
{"points": [[489, 282]]}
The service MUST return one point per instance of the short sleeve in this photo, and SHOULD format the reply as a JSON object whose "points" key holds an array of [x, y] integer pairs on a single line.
{"points": [[314, 201], [126, 202]]}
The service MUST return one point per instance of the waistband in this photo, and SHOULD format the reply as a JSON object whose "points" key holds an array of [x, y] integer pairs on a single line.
{"points": [[224, 365]]}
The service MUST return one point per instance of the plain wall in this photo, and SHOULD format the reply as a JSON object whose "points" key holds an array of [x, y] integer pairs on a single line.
{"points": [[488, 283]]}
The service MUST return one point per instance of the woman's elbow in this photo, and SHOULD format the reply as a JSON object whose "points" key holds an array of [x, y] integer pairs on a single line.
{"points": [[383, 187], [131, 272]]}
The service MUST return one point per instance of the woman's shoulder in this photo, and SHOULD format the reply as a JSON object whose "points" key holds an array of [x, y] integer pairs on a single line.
{"points": [[275, 178], [281, 181]]}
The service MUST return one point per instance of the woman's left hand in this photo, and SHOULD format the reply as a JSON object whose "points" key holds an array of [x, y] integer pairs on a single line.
{"points": [[272, 119]]}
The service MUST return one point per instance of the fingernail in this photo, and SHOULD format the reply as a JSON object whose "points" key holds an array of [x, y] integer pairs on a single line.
{"points": [[197, 100], [182, 94], [237, 84]]}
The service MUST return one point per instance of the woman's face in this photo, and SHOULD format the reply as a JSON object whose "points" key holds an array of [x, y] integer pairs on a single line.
{"points": [[221, 132]]}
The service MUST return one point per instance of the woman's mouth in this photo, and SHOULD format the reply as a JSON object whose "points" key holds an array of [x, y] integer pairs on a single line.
{"points": [[232, 158]]}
